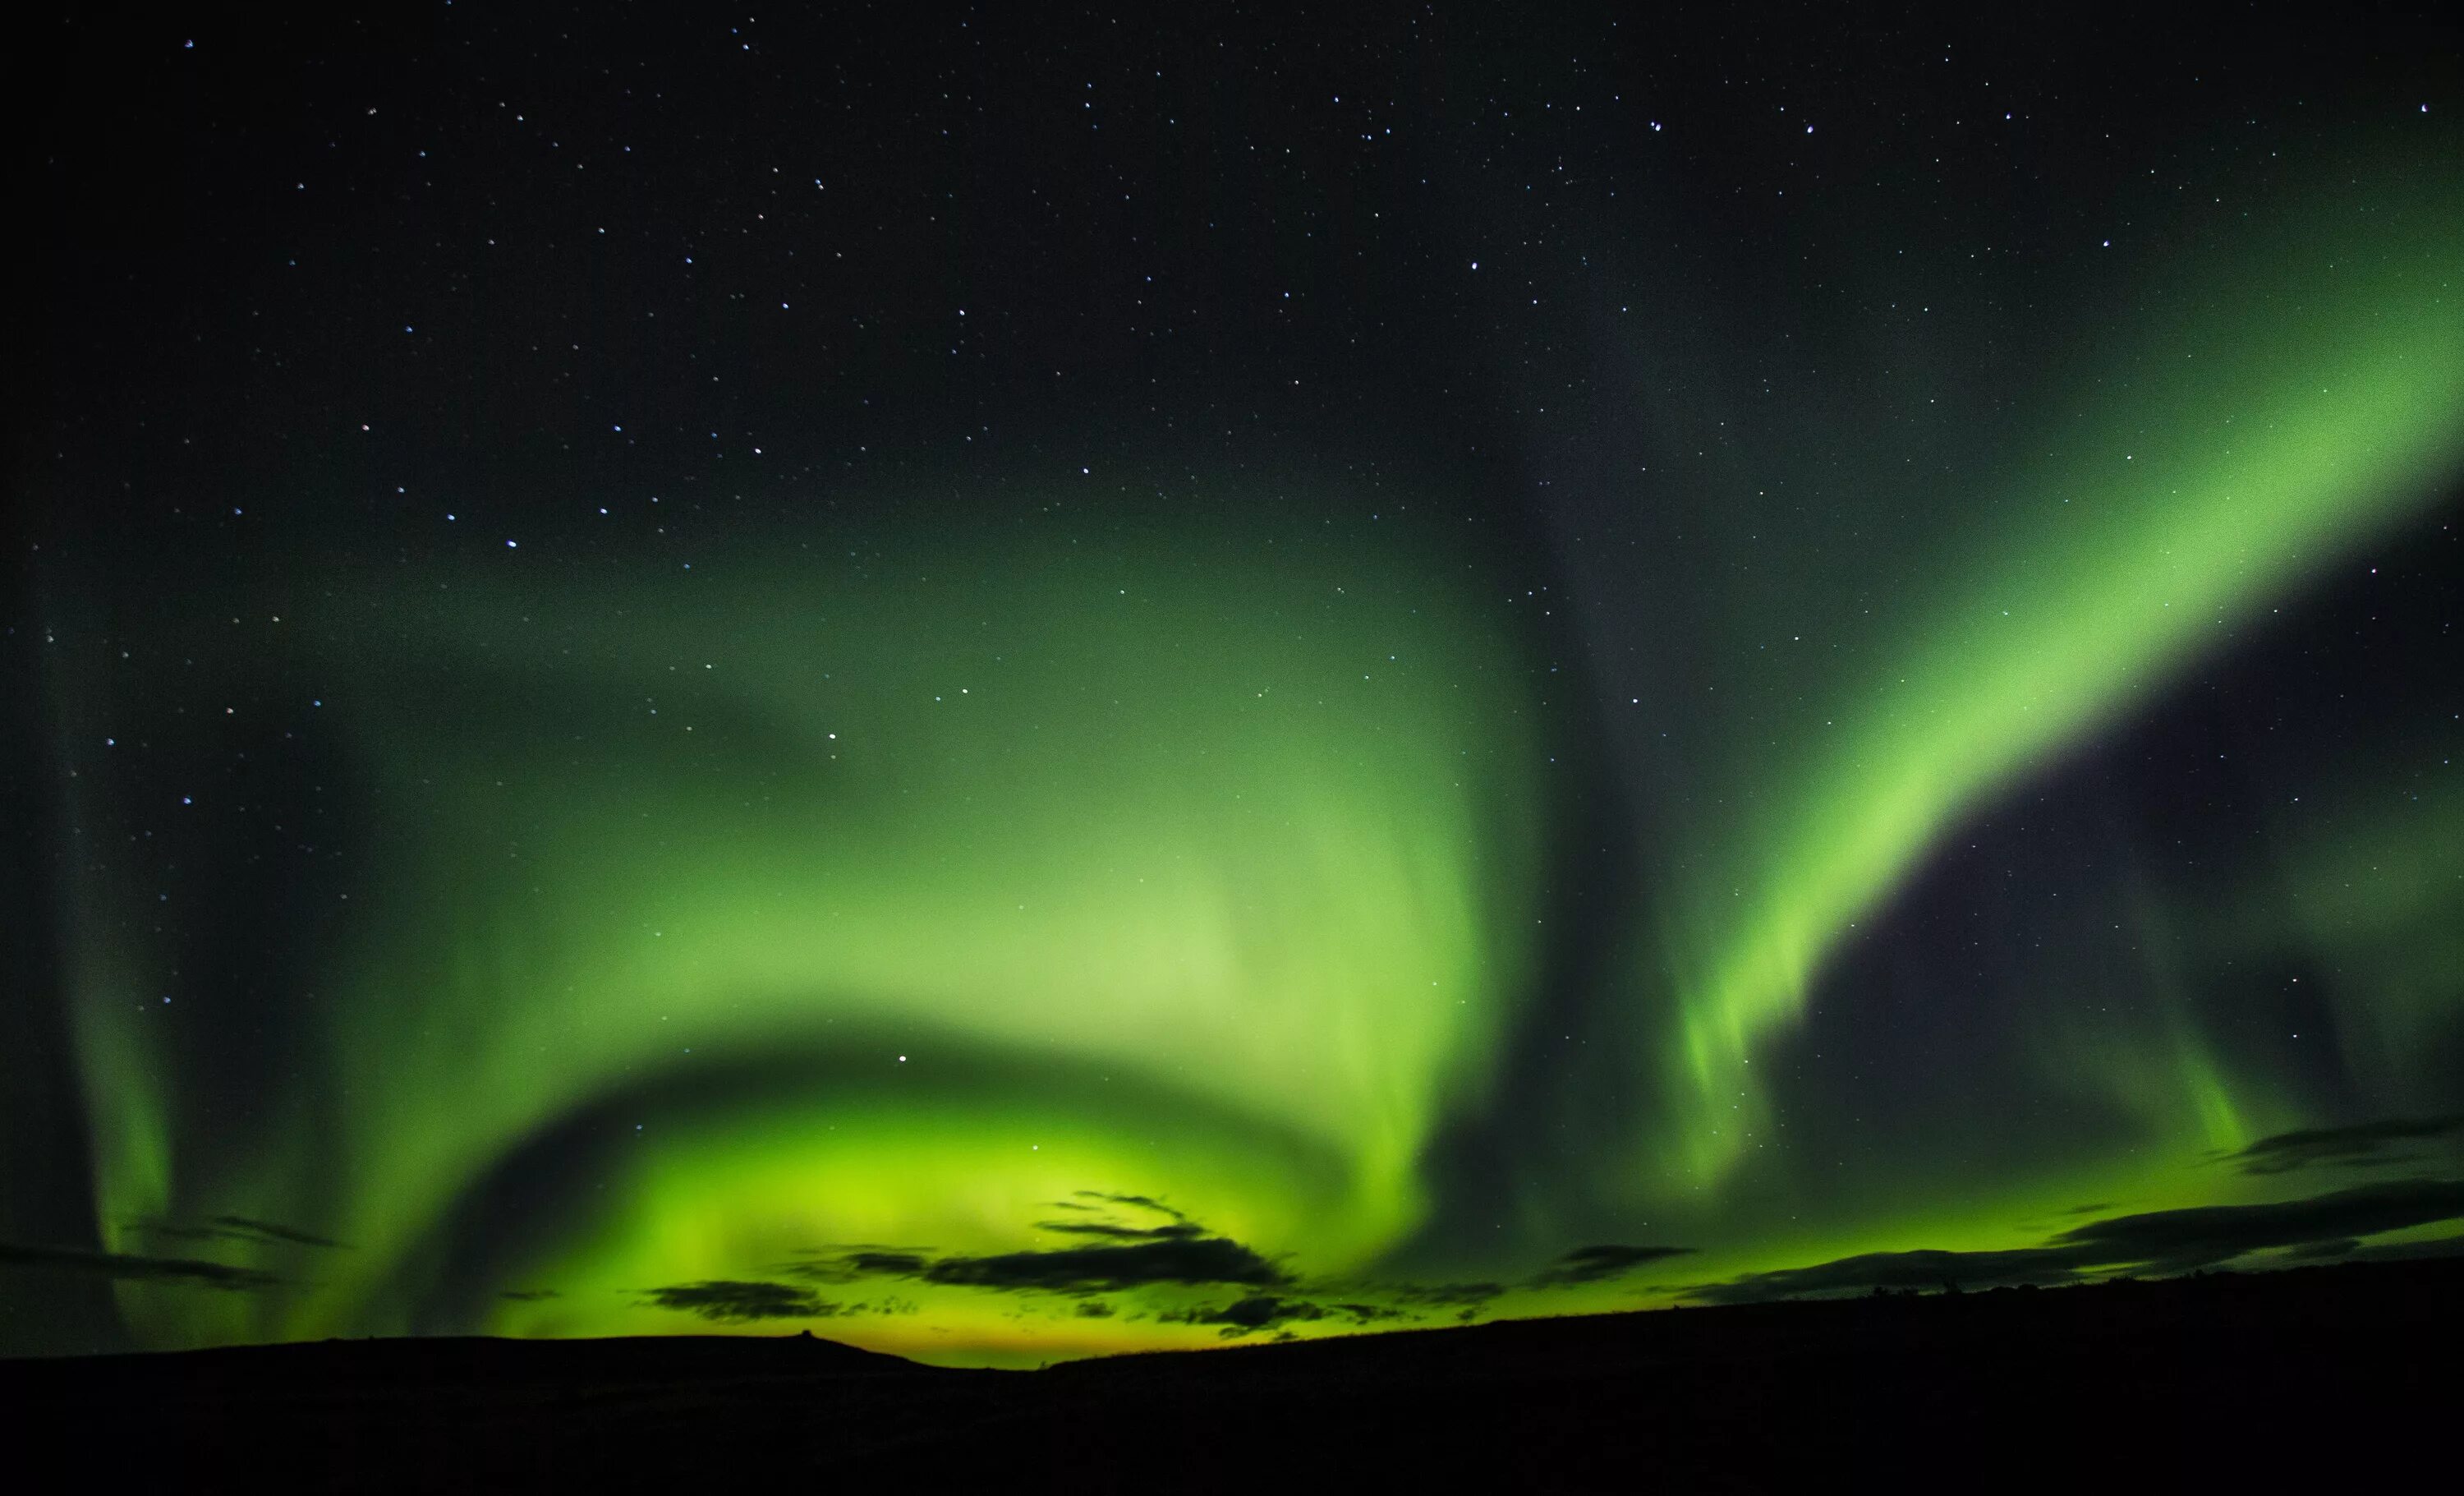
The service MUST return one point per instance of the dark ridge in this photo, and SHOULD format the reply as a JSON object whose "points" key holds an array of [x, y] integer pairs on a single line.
{"points": [[2339, 1377], [339, 1367]]}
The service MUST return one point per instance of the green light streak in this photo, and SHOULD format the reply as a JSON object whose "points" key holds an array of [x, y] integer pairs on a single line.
{"points": [[2312, 398]]}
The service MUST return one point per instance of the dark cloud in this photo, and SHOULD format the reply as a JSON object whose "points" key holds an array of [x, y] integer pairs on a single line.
{"points": [[1102, 1198], [1597, 1264], [729, 1301], [847, 1267], [1170, 1231], [165, 1231], [1175, 1226], [1177, 1250], [235, 1228], [1136, 1241], [271, 1231], [529, 1295], [149, 1270], [830, 1269], [1190, 1260], [2367, 1142], [2436, 1249], [1916, 1270], [1248, 1316], [2206, 1235], [1442, 1295], [2159, 1241]]}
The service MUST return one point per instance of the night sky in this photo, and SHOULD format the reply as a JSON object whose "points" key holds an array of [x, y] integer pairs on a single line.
{"points": [[1009, 684]]}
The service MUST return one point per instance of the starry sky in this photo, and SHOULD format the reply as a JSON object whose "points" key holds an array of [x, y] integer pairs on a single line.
{"points": [[1012, 686]]}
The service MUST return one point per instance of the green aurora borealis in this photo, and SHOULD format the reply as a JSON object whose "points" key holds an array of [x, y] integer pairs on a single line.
{"points": [[868, 921]]}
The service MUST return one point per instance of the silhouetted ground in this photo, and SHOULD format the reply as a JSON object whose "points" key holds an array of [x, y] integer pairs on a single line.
{"points": [[2328, 1377]]}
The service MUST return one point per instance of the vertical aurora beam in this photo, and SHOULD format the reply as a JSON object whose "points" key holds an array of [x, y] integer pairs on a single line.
{"points": [[2310, 399]]}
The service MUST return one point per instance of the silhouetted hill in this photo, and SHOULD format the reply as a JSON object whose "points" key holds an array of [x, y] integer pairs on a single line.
{"points": [[397, 1365], [2340, 1375]]}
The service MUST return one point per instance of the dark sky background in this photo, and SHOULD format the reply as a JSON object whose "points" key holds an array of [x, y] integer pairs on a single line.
{"points": [[671, 668]]}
